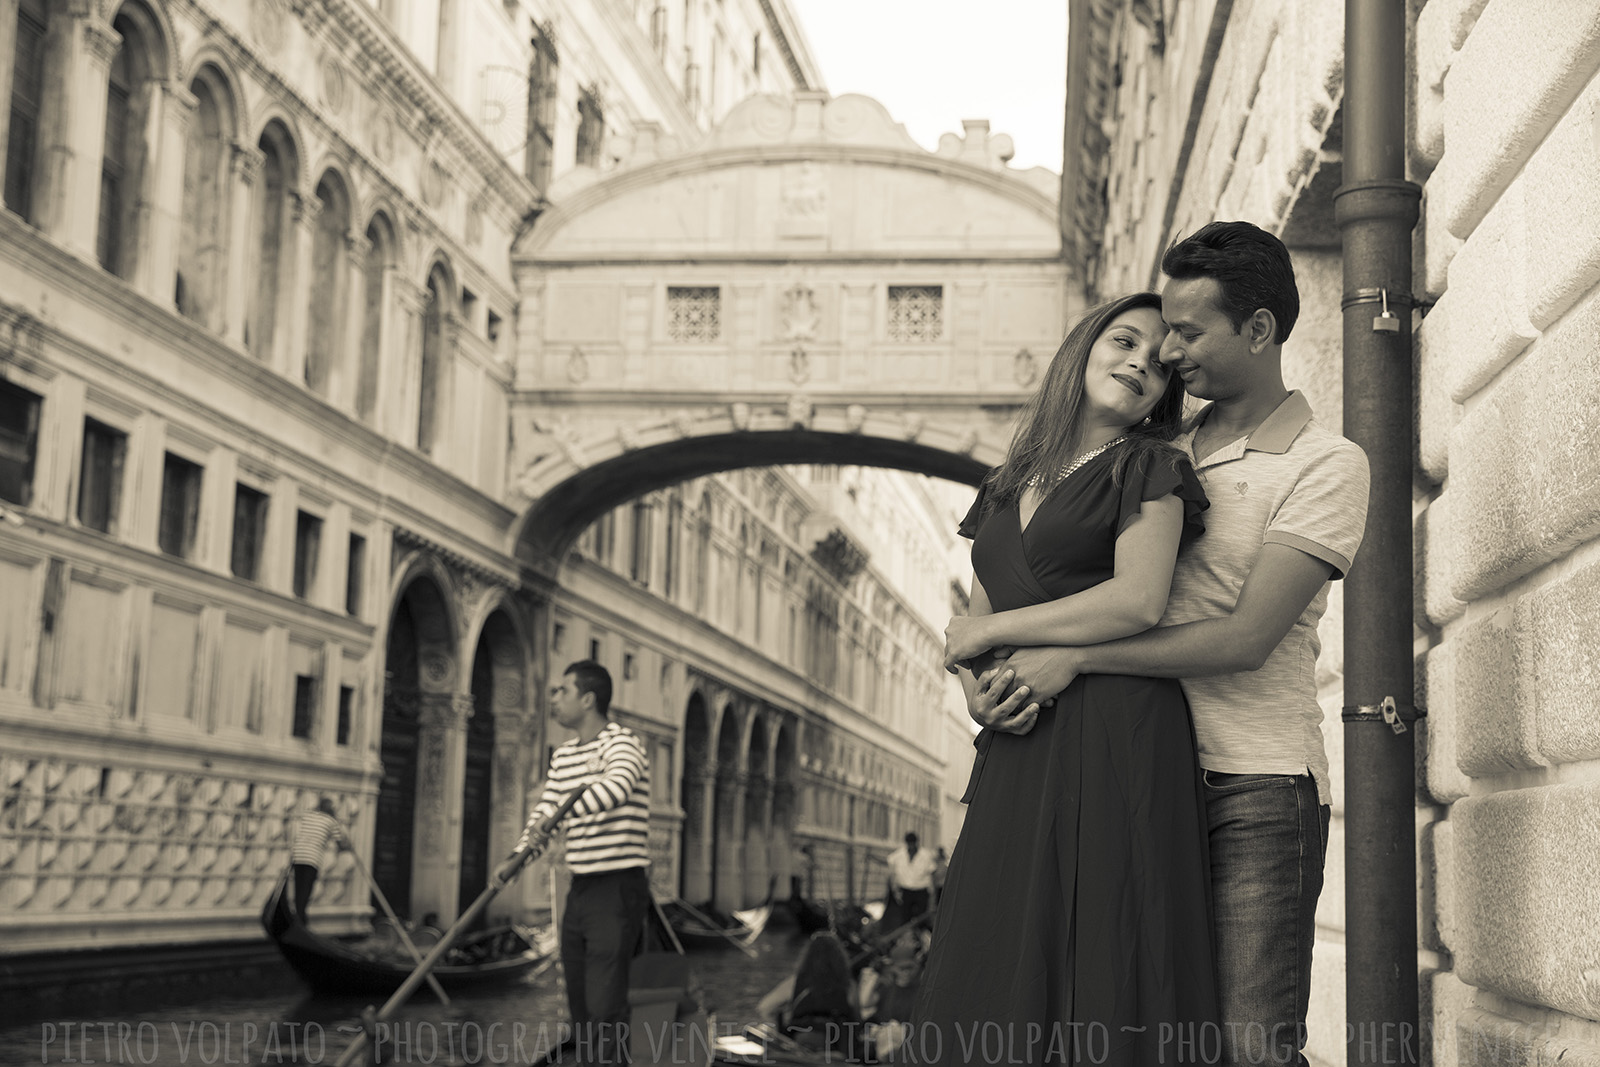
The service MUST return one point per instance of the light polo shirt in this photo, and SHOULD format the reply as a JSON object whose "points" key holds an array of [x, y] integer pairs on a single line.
{"points": [[1291, 482]]}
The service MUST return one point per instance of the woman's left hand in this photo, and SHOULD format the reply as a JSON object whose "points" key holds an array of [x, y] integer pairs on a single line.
{"points": [[964, 638]]}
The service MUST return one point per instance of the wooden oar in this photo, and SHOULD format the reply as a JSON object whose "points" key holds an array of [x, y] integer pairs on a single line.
{"points": [[711, 924], [405, 938], [459, 927], [888, 940]]}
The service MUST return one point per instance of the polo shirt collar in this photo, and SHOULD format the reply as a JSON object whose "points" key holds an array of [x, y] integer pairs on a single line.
{"points": [[1278, 431]]}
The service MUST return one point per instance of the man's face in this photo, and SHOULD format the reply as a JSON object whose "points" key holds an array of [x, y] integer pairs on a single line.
{"points": [[566, 703], [1202, 347]]}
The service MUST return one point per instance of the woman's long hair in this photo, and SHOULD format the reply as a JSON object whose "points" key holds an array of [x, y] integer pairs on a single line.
{"points": [[1051, 423]]}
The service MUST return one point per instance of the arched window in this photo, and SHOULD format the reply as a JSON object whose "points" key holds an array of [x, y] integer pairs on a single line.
{"points": [[380, 245], [202, 250], [272, 206], [27, 98], [125, 154], [435, 318], [329, 279]]}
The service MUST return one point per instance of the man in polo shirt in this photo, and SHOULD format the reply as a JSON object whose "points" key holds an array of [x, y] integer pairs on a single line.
{"points": [[608, 833], [1288, 509]]}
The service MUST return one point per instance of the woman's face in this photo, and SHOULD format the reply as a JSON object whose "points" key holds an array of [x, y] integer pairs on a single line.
{"points": [[1125, 378]]}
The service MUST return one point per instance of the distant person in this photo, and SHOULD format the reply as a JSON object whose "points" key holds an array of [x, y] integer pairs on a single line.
{"points": [[941, 868], [1288, 512], [1076, 900], [607, 839], [314, 830], [910, 883]]}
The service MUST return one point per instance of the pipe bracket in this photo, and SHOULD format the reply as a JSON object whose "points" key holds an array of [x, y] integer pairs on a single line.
{"points": [[1395, 714]]}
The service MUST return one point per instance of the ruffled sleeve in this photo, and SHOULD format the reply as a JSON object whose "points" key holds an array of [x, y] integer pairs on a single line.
{"points": [[975, 516], [1153, 474]]}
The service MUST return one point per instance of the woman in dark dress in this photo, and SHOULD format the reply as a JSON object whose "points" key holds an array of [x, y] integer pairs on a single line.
{"points": [[1075, 922]]}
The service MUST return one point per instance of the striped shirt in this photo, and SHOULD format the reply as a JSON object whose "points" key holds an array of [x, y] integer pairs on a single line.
{"points": [[311, 836], [609, 828]]}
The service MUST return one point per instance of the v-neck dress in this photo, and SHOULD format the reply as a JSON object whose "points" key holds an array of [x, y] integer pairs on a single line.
{"points": [[1074, 926]]}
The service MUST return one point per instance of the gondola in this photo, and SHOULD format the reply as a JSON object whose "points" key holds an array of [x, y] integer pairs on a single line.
{"points": [[699, 929], [496, 956]]}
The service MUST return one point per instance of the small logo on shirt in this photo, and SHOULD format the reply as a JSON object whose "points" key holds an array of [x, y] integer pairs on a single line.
{"points": [[1243, 487]]}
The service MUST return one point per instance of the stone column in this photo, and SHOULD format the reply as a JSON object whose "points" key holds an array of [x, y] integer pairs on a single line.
{"points": [[699, 807], [291, 340], [758, 841], [445, 448], [728, 891], [242, 252], [161, 193], [441, 756], [72, 132], [781, 837], [345, 372]]}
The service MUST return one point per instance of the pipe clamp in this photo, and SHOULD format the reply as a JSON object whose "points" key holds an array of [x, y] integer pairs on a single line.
{"points": [[1391, 712]]}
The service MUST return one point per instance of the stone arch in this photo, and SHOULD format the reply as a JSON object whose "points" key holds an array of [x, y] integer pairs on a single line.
{"points": [[439, 314], [384, 255], [786, 866], [203, 252], [572, 488], [757, 864], [140, 69], [155, 23], [727, 884], [221, 67], [275, 210], [695, 850], [419, 667], [330, 277], [496, 752]]}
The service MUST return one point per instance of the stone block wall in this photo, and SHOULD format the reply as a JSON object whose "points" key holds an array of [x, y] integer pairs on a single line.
{"points": [[1506, 146]]}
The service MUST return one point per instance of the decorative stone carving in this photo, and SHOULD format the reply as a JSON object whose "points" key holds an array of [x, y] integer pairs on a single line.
{"points": [[799, 412], [267, 19], [102, 42], [246, 162], [383, 136], [437, 670], [799, 313], [855, 417], [334, 87], [803, 201], [799, 365], [474, 225], [577, 367], [1024, 368]]}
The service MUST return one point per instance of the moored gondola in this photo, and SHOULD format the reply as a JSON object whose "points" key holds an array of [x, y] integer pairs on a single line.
{"points": [[498, 955]]}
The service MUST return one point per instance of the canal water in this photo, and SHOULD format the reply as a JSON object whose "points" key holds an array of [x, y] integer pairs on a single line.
{"points": [[513, 1024]]}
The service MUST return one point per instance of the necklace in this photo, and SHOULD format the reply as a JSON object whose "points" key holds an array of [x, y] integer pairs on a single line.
{"points": [[1068, 468]]}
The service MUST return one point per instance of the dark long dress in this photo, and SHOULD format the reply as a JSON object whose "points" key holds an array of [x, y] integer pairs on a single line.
{"points": [[1075, 921]]}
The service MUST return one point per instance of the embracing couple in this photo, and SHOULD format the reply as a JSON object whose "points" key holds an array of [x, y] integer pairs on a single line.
{"points": [[1137, 877]]}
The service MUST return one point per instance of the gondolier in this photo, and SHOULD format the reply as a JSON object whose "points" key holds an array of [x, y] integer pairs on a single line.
{"points": [[607, 837], [314, 830]]}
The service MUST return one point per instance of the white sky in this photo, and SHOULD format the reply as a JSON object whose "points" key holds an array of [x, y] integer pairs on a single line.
{"points": [[933, 63]]}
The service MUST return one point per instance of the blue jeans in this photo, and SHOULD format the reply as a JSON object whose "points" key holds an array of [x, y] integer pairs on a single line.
{"points": [[1269, 838]]}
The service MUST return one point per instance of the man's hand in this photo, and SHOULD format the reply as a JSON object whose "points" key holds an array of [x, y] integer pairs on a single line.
{"points": [[531, 849], [1044, 671], [994, 707], [964, 639]]}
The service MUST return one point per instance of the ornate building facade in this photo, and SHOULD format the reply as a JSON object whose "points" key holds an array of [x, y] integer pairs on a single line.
{"points": [[260, 536]]}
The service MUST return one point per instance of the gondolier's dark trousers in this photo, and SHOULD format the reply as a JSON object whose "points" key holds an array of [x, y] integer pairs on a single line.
{"points": [[600, 933], [305, 881]]}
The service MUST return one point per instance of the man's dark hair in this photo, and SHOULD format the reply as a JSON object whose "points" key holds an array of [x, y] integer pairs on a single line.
{"points": [[1250, 265], [589, 677], [911, 837]]}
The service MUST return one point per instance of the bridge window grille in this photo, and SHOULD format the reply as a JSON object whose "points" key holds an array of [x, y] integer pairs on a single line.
{"points": [[694, 313], [916, 312]]}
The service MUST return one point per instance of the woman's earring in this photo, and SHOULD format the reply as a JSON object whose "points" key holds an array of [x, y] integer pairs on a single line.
{"points": [[1146, 421]]}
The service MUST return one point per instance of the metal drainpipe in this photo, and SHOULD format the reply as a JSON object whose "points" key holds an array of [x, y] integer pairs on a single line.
{"points": [[1376, 210]]}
